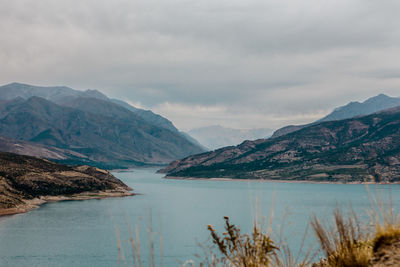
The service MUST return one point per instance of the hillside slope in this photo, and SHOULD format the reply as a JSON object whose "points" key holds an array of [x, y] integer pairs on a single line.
{"points": [[27, 181], [63, 94], [107, 141], [353, 150], [38, 150]]}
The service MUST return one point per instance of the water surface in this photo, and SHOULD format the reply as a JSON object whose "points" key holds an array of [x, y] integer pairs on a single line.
{"points": [[83, 233]]}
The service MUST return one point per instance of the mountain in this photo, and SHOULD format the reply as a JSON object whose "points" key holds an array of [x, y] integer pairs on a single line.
{"points": [[194, 141], [364, 148], [148, 115], [214, 137], [116, 138], [369, 106], [52, 93], [353, 109], [63, 94], [26, 182]]}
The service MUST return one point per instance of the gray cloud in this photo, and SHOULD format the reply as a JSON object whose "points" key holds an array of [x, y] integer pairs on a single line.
{"points": [[205, 62]]}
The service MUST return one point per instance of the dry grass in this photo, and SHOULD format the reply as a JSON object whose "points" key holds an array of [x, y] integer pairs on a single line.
{"points": [[257, 249], [387, 225], [350, 243], [242, 250], [344, 245]]}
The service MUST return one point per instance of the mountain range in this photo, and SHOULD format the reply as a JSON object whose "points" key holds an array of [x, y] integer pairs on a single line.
{"points": [[88, 128], [214, 137], [352, 109], [63, 94], [363, 148]]}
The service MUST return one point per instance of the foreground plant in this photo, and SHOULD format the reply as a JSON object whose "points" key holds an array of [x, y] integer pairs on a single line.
{"points": [[344, 245], [347, 243], [351, 244], [244, 250]]}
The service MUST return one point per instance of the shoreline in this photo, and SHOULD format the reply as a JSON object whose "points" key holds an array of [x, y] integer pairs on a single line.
{"points": [[31, 204], [272, 180]]}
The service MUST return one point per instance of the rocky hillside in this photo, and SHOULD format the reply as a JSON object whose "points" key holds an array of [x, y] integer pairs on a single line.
{"points": [[106, 134], [26, 181], [38, 150], [65, 95], [353, 150], [353, 109]]}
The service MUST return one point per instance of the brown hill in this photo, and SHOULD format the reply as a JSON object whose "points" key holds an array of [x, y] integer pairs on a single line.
{"points": [[352, 150], [27, 181]]}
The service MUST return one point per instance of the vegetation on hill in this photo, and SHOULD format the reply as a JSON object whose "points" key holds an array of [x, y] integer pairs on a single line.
{"points": [[24, 179], [362, 149]]}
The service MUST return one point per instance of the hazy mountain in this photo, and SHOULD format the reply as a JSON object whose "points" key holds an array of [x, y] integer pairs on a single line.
{"points": [[65, 95], [112, 109], [194, 141], [353, 109], [362, 148], [369, 106], [109, 140], [214, 137], [148, 115], [52, 93]]}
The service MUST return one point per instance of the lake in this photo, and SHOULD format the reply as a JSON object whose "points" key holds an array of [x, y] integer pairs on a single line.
{"points": [[84, 233]]}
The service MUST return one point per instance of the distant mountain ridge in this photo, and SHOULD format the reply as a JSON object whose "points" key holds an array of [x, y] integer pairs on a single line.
{"points": [[52, 93], [214, 137], [63, 94], [352, 109], [369, 106], [365, 148], [108, 135]]}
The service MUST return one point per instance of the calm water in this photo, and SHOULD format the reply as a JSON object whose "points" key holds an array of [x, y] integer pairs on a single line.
{"points": [[83, 233]]}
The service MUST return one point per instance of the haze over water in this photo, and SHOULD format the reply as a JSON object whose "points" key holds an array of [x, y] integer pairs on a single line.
{"points": [[82, 233]]}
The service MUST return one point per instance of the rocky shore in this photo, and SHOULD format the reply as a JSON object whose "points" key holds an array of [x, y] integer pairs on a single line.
{"points": [[28, 182]]}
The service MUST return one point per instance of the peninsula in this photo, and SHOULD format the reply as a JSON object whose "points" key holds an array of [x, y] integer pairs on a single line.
{"points": [[27, 182]]}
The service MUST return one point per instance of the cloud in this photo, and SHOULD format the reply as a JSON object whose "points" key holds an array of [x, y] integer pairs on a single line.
{"points": [[251, 60], [192, 116]]}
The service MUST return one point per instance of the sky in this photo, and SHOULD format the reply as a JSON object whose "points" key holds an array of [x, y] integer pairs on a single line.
{"points": [[236, 63]]}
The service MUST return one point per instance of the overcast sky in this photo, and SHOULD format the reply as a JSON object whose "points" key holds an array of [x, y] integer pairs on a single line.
{"points": [[237, 63]]}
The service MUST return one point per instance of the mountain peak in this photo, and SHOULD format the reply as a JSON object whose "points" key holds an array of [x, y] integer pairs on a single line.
{"points": [[95, 94], [369, 106], [378, 98], [352, 109]]}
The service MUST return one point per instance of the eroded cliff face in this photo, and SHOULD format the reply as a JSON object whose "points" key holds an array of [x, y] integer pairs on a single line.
{"points": [[24, 178], [353, 150]]}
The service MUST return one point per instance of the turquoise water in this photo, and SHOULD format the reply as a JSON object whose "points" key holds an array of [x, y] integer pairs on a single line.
{"points": [[83, 233]]}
